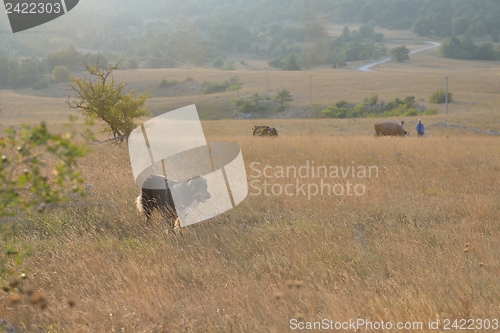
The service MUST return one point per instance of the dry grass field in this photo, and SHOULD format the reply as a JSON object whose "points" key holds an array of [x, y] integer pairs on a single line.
{"points": [[421, 243]]}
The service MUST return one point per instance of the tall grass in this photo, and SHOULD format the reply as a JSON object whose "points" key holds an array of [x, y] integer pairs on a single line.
{"points": [[393, 254]]}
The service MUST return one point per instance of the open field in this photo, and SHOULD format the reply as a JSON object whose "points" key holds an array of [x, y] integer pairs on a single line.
{"points": [[421, 243], [395, 253]]}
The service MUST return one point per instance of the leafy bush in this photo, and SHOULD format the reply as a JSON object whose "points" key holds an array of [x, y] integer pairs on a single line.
{"points": [[42, 83], [218, 63], [166, 84], [290, 63], [252, 105], [439, 97], [466, 49], [214, 87], [276, 62], [61, 74], [371, 107]]}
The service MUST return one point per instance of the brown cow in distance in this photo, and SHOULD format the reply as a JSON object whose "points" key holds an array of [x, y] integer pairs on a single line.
{"points": [[264, 131], [388, 128]]}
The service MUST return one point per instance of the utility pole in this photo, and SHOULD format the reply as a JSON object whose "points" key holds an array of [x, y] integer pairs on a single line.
{"points": [[310, 90], [267, 81], [446, 95], [168, 65]]}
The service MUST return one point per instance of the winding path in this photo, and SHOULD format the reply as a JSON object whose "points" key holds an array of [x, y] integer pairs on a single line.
{"points": [[366, 68]]}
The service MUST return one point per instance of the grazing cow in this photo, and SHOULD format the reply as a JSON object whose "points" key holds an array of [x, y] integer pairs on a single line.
{"points": [[157, 194], [264, 131], [256, 129], [388, 128]]}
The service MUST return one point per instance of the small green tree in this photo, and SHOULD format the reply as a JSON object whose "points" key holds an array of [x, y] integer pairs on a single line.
{"points": [[61, 74], [439, 97], [291, 63], [283, 97], [100, 99], [400, 53]]}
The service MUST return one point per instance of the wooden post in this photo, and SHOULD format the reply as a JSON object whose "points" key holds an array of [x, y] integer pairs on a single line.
{"points": [[446, 95]]}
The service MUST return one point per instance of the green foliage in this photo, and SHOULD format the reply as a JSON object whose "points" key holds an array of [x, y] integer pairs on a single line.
{"points": [[42, 83], [94, 58], [16, 72], [312, 31], [157, 59], [229, 66], [400, 53], [69, 58], [439, 97], [101, 99], [366, 31], [167, 84], [218, 63], [198, 55], [422, 27], [29, 186], [283, 97], [25, 183], [487, 51], [61, 74], [255, 104], [339, 110], [371, 107], [465, 49], [276, 63], [291, 63], [214, 87], [230, 36], [225, 26]]}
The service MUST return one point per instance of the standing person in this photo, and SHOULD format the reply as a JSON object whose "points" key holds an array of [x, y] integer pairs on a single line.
{"points": [[420, 128]]}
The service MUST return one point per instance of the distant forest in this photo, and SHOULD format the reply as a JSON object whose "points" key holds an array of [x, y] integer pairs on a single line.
{"points": [[289, 33]]}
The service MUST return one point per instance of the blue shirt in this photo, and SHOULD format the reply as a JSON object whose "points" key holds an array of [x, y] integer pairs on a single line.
{"points": [[420, 128]]}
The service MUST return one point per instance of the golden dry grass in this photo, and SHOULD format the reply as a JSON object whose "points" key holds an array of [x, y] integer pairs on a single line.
{"points": [[395, 253]]}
